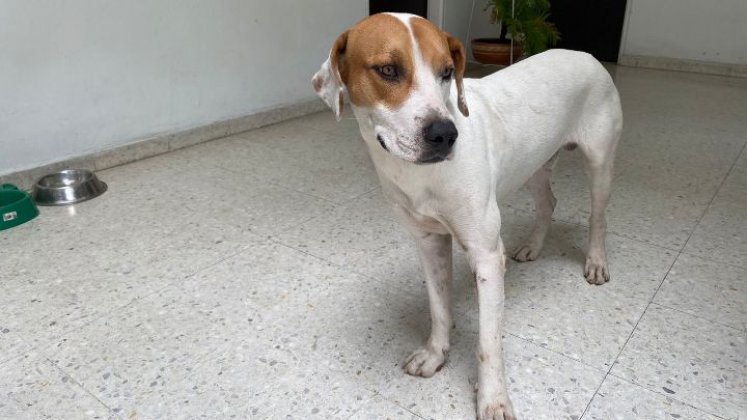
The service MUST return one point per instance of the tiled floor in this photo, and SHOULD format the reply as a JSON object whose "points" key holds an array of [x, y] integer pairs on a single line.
{"points": [[260, 276]]}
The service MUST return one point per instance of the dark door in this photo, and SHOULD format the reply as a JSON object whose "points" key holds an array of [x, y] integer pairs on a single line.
{"points": [[593, 26], [417, 7]]}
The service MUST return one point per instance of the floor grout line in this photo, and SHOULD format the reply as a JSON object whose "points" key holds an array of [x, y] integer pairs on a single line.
{"points": [[578, 224], [131, 302], [715, 194], [637, 385], [632, 332], [729, 264], [377, 394], [75, 381], [618, 234], [565, 356], [713, 321], [323, 259], [651, 301]]}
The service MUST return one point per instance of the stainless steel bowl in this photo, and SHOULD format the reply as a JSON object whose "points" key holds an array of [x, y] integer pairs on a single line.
{"points": [[67, 187]]}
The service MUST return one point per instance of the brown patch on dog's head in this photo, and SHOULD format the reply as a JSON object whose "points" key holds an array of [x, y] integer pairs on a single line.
{"points": [[374, 43], [433, 45], [384, 41], [442, 52]]}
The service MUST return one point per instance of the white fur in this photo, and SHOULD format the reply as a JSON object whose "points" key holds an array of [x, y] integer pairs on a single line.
{"points": [[519, 118], [330, 87]]}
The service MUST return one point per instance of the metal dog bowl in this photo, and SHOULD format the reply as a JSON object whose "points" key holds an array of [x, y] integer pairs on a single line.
{"points": [[67, 187]]}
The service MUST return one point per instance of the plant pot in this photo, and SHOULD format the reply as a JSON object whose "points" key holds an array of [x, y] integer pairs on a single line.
{"points": [[495, 51]]}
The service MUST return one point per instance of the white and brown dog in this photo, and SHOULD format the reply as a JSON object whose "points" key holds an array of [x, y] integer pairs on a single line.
{"points": [[398, 71]]}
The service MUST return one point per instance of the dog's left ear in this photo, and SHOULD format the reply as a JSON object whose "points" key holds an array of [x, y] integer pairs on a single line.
{"points": [[460, 62], [327, 81]]}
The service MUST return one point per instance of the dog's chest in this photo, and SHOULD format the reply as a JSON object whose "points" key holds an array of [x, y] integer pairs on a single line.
{"points": [[418, 212]]}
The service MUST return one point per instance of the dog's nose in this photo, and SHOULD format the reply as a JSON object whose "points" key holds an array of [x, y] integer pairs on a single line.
{"points": [[441, 135]]}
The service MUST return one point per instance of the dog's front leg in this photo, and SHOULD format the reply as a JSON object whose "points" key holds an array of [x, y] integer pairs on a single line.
{"points": [[435, 256], [492, 398]]}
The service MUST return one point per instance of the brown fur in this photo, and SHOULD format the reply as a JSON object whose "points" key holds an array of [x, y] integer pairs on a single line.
{"points": [[440, 50], [376, 41], [433, 44], [381, 40]]}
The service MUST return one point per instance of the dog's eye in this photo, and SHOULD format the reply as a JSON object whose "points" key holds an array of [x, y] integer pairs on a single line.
{"points": [[388, 72], [446, 73]]}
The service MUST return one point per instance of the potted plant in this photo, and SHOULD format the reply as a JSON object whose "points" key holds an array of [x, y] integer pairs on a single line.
{"points": [[526, 23]]}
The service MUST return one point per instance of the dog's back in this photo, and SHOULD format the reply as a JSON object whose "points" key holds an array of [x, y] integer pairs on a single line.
{"points": [[559, 97]]}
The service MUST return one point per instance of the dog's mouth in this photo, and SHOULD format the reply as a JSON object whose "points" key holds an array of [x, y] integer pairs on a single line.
{"points": [[414, 155], [431, 159], [381, 142]]}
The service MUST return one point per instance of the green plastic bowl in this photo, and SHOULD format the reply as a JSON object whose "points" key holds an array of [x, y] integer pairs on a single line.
{"points": [[16, 207]]}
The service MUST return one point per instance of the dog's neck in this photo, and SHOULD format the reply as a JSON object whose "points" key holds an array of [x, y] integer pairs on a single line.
{"points": [[405, 184]]}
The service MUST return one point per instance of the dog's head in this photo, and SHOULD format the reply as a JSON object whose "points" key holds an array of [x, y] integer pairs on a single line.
{"points": [[397, 70]]}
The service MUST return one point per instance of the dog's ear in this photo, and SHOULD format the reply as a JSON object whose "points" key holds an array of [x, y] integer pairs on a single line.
{"points": [[327, 81], [460, 61]]}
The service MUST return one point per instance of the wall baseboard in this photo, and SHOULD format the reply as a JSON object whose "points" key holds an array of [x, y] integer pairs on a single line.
{"points": [[163, 143], [690, 66]]}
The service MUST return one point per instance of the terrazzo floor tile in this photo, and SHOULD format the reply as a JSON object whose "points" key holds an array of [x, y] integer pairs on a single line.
{"points": [[10, 409], [327, 163], [707, 289], [271, 275], [241, 201], [550, 303], [541, 384], [146, 348], [34, 388], [620, 400], [255, 383], [167, 348], [124, 221], [252, 380], [362, 236], [332, 164], [378, 408], [325, 122], [351, 326], [48, 303], [691, 359], [11, 344], [722, 233]]}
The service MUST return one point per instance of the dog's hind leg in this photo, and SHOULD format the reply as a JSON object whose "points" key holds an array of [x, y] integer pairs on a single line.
{"points": [[544, 204], [596, 270], [599, 158]]}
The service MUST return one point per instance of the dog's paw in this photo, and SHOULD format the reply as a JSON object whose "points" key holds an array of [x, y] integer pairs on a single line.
{"points": [[495, 408], [425, 362], [528, 252], [596, 271]]}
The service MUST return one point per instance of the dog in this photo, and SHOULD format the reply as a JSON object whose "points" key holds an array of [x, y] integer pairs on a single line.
{"points": [[443, 165]]}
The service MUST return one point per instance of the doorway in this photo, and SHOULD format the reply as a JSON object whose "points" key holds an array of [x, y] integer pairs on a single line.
{"points": [[593, 26], [416, 7]]}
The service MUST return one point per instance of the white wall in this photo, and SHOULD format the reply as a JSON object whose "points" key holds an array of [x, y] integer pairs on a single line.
{"points": [[78, 76], [713, 30]]}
